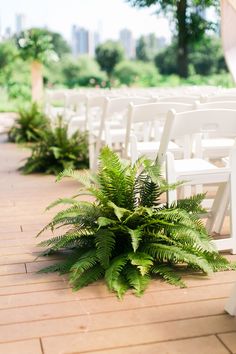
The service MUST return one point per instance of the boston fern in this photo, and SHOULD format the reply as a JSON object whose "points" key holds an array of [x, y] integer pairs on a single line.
{"points": [[28, 125], [55, 151], [128, 235]]}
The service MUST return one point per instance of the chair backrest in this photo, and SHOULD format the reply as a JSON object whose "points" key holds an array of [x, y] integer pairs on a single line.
{"points": [[216, 105], [181, 99], [151, 112], [75, 99], [222, 122], [95, 110], [118, 106], [219, 98]]}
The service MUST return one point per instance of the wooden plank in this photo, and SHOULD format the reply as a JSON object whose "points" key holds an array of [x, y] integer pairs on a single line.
{"points": [[100, 291], [12, 269], [203, 345], [134, 335], [229, 339], [113, 308], [97, 322], [21, 347]]}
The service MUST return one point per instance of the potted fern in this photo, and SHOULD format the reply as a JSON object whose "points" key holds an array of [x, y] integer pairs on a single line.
{"points": [[127, 235], [27, 127], [55, 151]]}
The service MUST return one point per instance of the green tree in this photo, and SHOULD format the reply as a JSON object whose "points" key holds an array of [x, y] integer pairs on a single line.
{"points": [[108, 55], [8, 55], [205, 58], [36, 46], [82, 72], [60, 45], [142, 49], [190, 23]]}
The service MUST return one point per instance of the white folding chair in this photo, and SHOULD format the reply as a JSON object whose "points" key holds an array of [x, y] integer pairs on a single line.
{"points": [[213, 146], [112, 128], [198, 171], [55, 104], [94, 112], [149, 119], [181, 99], [219, 98], [75, 112]]}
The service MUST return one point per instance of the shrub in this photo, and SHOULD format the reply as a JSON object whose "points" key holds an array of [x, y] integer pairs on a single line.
{"points": [[29, 124], [127, 236], [137, 73], [55, 151], [82, 72]]}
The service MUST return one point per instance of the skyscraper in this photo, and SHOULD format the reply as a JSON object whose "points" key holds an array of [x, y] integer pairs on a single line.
{"points": [[83, 41], [127, 41], [20, 22]]}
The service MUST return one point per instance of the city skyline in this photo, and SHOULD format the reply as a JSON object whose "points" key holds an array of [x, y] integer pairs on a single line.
{"points": [[108, 19]]}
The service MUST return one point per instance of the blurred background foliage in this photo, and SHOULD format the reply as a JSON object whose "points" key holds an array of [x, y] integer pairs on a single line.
{"points": [[110, 68]]}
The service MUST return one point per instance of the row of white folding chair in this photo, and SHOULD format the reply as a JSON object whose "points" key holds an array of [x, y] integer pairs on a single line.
{"points": [[112, 120], [151, 115], [209, 146], [215, 147], [199, 171], [219, 98]]}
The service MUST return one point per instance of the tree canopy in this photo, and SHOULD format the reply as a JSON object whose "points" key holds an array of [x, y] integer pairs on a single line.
{"points": [[189, 17], [108, 55]]}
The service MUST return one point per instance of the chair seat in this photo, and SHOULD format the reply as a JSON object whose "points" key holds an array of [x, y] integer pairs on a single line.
{"points": [[199, 171], [217, 147]]}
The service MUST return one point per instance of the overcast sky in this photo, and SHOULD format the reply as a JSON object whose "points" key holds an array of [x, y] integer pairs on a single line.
{"points": [[108, 15]]}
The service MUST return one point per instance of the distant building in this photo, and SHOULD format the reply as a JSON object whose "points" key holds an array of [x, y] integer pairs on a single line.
{"points": [[8, 33], [20, 23], [84, 41], [128, 43]]}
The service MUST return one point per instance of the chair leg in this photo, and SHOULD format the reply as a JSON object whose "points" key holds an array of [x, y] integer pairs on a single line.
{"points": [[215, 210], [233, 201], [219, 220], [170, 178], [230, 306]]}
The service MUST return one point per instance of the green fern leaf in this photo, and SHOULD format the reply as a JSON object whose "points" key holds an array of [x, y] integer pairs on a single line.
{"points": [[105, 243], [102, 222], [137, 281], [84, 262], [136, 236], [119, 285], [115, 268], [62, 201], [142, 260], [87, 277], [168, 274], [173, 254]]}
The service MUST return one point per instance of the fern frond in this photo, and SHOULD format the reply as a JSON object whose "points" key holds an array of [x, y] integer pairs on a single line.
{"points": [[137, 281], [192, 204], [84, 262], [115, 268], [62, 201], [105, 243], [119, 285], [87, 277], [82, 177], [136, 236], [168, 274], [173, 254], [142, 260]]}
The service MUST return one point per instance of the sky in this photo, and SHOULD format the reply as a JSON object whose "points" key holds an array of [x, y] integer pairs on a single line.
{"points": [[109, 16]]}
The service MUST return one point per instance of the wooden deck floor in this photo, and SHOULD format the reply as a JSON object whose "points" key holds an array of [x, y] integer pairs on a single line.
{"points": [[40, 314]]}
